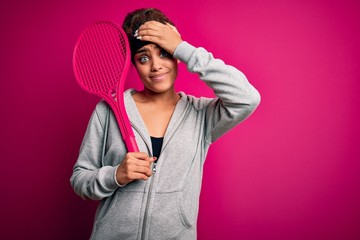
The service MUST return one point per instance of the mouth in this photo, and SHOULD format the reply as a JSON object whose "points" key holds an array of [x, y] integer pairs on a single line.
{"points": [[158, 77]]}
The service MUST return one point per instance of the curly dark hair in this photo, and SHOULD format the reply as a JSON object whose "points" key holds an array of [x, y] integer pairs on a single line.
{"points": [[135, 19]]}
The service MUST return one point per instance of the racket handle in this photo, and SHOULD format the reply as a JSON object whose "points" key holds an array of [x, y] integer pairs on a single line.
{"points": [[131, 145]]}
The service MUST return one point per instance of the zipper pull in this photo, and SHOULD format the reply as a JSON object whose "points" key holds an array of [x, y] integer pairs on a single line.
{"points": [[154, 168]]}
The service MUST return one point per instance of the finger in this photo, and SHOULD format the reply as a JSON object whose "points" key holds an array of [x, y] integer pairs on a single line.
{"points": [[131, 170], [146, 169], [151, 24], [152, 28], [142, 170], [173, 28], [141, 159], [153, 34], [151, 39], [137, 176], [148, 32], [147, 26], [141, 163], [138, 155]]}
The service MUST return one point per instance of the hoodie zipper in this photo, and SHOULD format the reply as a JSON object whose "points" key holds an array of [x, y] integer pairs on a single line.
{"points": [[153, 167], [146, 213], [148, 203]]}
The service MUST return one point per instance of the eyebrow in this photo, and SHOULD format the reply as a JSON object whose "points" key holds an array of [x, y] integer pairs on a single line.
{"points": [[144, 49]]}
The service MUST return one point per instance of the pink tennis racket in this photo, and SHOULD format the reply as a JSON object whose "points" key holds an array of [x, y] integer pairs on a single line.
{"points": [[101, 62]]}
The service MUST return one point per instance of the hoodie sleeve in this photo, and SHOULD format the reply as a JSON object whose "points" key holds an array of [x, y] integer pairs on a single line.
{"points": [[90, 179], [236, 97]]}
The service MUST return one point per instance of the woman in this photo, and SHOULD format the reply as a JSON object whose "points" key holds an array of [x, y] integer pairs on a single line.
{"points": [[154, 193]]}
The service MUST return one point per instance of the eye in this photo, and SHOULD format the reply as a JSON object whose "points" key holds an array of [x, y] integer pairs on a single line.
{"points": [[143, 59], [164, 54]]}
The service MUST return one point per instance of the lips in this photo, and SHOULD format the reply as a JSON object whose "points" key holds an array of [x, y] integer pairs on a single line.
{"points": [[158, 77]]}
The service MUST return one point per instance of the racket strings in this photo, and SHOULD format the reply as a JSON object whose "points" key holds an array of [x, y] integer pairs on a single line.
{"points": [[101, 55], [112, 72], [92, 71], [101, 62], [116, 40]]}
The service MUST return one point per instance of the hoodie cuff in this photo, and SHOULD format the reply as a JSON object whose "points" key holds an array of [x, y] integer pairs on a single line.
{"points": [[118, 184], [108, 178], [184, 51]]}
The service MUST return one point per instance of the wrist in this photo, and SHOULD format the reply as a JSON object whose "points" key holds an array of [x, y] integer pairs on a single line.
{"points": [[118, 179], [175, 46]]}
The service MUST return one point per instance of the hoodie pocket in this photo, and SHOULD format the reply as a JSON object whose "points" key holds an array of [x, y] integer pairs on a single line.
{"points": [[169, 220], [185, 215]]}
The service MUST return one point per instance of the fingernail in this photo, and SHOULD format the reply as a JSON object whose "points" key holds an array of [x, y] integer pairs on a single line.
{"points": [[136, 33], [139, 37], [154, 158]]}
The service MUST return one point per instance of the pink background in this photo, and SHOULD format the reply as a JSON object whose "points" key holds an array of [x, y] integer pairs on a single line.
{"points": [[291, 171]]}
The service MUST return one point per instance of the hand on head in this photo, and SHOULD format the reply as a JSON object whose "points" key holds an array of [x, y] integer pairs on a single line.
{"points": [[165, 36]]}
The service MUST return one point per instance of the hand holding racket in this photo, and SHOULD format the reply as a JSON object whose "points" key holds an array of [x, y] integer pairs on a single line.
{"points": [[101, 62]]}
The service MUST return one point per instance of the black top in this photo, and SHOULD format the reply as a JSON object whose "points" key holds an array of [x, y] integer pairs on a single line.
{"points": [[156, 146]]}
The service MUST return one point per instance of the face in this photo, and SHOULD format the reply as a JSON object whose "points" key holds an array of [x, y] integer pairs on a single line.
{"points": [[157, 68]]}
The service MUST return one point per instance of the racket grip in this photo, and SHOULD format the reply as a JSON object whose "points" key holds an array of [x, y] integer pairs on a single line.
{"points": [[131, 144]]}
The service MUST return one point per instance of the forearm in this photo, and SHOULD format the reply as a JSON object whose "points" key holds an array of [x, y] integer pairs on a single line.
{"points": [[94, 184], [90, 179], [228, 83], [236, 97]]}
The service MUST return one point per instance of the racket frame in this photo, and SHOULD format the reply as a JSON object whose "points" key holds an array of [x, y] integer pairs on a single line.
{"points": [[114, 99]]}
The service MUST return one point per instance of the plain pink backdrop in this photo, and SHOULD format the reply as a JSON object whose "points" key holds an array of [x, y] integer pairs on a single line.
{"points": [[291, 171]]}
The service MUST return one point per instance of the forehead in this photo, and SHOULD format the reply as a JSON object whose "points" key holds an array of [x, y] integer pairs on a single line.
{"points": [[148, 48]]}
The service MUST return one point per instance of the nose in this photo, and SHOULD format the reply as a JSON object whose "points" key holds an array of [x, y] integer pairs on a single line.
{"points": [[156, 64]]}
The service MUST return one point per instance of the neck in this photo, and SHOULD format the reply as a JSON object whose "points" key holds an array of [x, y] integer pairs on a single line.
{"points": [[165, 98]]}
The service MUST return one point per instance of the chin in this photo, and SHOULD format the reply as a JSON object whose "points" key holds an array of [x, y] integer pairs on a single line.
{"points": [[160, 90]]}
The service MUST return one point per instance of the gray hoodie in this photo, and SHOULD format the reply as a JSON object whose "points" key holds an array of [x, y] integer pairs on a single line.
{"points": [[166, 205]]}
